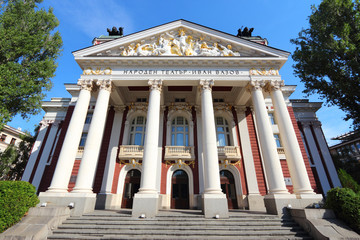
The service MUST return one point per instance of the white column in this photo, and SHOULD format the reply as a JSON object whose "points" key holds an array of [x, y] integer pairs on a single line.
{"points": [[45, 154], [274, 174], [211, 163], [326, 154], [112, 151], [325, 185], [249, 166], [69, 149], [90, 157], [35, 151], [148, 177], [294, 159], [146, 200]]}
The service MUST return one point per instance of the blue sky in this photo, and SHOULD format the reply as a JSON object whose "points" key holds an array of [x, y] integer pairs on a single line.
{"points": [[277, 20]]}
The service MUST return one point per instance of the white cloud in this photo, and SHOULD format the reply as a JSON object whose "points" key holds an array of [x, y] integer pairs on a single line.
{"points": [[92, 17]]}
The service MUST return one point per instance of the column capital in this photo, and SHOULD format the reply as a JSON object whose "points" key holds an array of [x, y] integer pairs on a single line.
{"points": [[255, 85], [155, 84], [206, 84], [119, 108], [305, 123], [240, 109], [85, 84], [316, 123], [104, 84], [45, 123], [274, 85]]}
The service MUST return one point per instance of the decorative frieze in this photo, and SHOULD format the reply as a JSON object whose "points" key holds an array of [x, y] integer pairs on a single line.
{"points": [[264, 72], [180, 163], [134, 162], [225, 163], [176, 44], [97, 71]]}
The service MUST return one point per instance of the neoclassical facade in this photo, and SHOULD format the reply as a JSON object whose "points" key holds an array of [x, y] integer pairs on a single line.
{"points": [[180, 116]]}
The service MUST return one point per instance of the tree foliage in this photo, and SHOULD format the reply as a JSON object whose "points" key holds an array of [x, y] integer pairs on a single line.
{"points": [[327, 55], [29, 48], [14, 159]]}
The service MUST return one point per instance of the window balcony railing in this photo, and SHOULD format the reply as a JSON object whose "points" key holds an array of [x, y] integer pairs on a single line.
{"points": [[229, 152], [280, 150], [179, 152], [131, 151], [80, 152]]}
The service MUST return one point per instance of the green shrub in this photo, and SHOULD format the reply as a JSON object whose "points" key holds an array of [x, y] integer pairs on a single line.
{"points": [[347, 181], [346, 205], [16, 197]]}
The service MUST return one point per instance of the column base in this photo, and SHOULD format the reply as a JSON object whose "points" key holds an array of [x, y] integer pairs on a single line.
{"points": [[108, 201], [256, 202], [215, 204], [278, 204], [83, 202], [145, 205]]}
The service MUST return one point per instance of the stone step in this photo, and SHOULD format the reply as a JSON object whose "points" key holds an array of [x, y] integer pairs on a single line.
{"points": [[193, 227], [171, 232], [180, 223], [132, 237]]}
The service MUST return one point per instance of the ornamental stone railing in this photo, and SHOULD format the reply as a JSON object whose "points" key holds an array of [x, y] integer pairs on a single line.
{"points": [[280, 150], [131, 151], [229, 152], [179, 152]]}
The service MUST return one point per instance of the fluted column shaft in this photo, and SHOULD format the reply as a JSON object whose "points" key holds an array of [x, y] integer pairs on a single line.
{"points": [[150, 157], [274, 174], [90, 157], [69, 149], [211, 161], [295, 161]]}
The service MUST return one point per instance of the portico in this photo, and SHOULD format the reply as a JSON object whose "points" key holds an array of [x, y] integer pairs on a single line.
{"points": [[184, 99]]}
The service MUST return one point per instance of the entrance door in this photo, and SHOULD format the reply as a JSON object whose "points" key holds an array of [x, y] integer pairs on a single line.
{"points": [[228, 187], [180, 190], [131, 186]]}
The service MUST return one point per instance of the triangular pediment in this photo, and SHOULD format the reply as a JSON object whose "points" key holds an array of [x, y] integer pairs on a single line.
{"points": [[180, 38]]}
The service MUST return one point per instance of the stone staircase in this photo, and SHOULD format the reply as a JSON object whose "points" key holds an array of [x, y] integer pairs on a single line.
{"points": [[187, 224]]}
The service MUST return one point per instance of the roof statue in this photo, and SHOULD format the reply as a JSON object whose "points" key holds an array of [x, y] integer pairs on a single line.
{"points": [[245, 33], [115, 32]]}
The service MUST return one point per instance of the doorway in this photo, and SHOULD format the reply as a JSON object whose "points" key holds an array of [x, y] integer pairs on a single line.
{"points": [[131, 186], [228, 187], [180, 190]]}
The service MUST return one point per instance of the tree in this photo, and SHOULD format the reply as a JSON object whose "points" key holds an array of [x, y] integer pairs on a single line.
{"points": [[29, 48], [14, 159], [327, 56], [6, 159]]}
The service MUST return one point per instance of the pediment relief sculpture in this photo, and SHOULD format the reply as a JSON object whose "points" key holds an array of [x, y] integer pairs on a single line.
{"points": [[177, 44]]}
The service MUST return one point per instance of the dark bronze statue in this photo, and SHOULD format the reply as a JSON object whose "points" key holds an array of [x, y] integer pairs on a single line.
{"points": [[245, 33], [115, 32]]}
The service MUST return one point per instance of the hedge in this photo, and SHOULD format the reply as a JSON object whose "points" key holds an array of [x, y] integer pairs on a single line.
{"points": [[346, 205], [16, 197]]}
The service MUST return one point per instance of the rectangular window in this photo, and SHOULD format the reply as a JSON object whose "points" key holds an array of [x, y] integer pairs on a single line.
{"points": [[218, 100], [13, 140], [83, 140], [277, 140], [88, 118], [3, 137], [141, 100], [179, 99], [272, 118]]}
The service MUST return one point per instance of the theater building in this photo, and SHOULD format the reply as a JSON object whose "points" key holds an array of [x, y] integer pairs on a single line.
{"points": [[180, 116]]}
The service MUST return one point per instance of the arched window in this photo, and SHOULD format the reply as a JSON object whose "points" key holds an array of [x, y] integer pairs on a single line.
{"points": [[222, 132], [180, 132], [137, 131]]}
